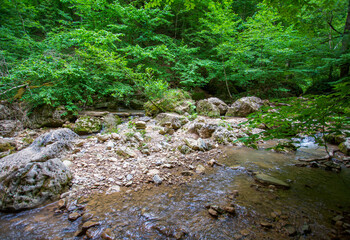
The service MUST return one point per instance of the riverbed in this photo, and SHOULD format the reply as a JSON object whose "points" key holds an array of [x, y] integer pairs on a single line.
{"points": [[305, 211]]}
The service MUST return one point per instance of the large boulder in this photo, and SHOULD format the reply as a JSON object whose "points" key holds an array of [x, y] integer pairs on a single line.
{"points": [[207, 108], [35, 175], [9, 128], [174, 100], [219, 104], [87, 125], [175, 120], [244, 106], [48, 116]]}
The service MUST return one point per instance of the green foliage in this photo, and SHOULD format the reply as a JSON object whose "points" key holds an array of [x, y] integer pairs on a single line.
{"points": [[303, 116]]}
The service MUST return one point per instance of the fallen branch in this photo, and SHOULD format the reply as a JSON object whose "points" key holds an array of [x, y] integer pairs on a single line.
{"points": [[12, 89]]}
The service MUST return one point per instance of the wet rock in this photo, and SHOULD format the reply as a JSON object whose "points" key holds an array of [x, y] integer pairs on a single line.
{"points": [[9, 128], [34, 175], [87, 125], [157, 180], [107, 234], [268, 180], [206, 108], [90, 224], [213, 212], [140, 125], [230, 210], [74, 216], [62, 203], [266, 224], [87, 216], [244, 106]]}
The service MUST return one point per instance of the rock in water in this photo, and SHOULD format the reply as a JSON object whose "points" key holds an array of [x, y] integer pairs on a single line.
{"points": [[34, 175], [265, 179]]}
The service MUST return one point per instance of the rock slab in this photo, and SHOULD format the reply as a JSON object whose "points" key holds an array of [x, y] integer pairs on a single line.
{"points": [[34, 175]]}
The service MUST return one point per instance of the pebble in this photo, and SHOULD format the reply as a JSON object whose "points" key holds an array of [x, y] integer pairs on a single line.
{"points": [[157, 180], [107, 234], [266, 224], [90, 224], [62, 203], [200, 169], [74, 216], [186, 173], [212, 212]]}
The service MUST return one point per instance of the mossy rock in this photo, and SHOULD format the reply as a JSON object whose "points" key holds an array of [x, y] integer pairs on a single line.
{"points": [[87, 125], [5, 146], [170, 102], [110, 122], [344, 147], [206, 108]]}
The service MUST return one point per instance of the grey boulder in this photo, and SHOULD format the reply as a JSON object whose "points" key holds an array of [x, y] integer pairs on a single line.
{"points": [[35, 175]]}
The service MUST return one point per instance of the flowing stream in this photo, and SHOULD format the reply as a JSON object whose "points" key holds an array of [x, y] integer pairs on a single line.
{"points": [[304, 211]]}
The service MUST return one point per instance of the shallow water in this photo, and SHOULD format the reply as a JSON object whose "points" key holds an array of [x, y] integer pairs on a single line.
{"points": [[167, 212]]}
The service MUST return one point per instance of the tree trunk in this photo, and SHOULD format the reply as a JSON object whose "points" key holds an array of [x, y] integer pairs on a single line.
{"points": [[344, 69]]}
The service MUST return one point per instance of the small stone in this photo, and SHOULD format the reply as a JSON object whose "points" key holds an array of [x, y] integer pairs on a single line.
{"points": [[337, 218], [186, 173], [87, 216], [90, 224], [291, 231], [338, 223], [266, 224], [157, 180], [62, 203], [230, 210], [153, 172], [140, 125], [102, 138], [115, 136], [74, 216], [212, 212], [200, 169], [129, 177], [167, 166], [110, 145], [107, 234], [113, 189], [306, 229], [128, 184], [245, 232], [211, 162]]}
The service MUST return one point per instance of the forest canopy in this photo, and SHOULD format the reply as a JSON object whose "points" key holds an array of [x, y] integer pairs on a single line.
{"points": [[77, 52]]}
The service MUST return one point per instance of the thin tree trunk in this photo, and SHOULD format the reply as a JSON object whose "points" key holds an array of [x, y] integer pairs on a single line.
{"points": [[344, 69]]}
